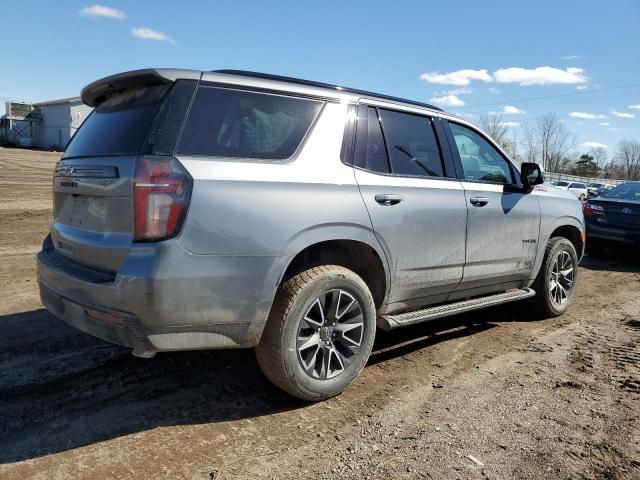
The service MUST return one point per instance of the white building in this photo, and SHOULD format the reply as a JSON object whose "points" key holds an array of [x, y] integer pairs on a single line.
{"points": [[47, 125]]}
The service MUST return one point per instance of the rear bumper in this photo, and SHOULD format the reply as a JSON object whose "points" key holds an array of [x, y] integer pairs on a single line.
{"points": [[131, 333], [167, 298], [605, 232]]}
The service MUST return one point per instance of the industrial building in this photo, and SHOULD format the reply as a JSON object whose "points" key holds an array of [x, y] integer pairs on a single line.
{"points": [[47, 125]]}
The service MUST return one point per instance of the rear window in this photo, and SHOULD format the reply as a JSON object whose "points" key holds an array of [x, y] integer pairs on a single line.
{"points": [[241, 124], [412, 144], [119, 125], [626, 191]]}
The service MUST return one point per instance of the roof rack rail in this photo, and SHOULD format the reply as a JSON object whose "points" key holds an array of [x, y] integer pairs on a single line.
{"points": [[311, 83]]}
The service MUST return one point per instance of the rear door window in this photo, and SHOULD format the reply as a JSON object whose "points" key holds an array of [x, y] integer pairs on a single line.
{"points": [[412, 145], [119, 125], [244, 124]]}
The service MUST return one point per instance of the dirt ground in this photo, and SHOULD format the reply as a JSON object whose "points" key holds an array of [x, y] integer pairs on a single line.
{"points": [[496, 394]]}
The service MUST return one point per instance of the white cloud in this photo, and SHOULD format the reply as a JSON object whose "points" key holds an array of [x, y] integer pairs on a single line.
{"points": [[613, 129], [149, 34], [604, 124], [587, 116], [540, 76], [102, 11], [622, 114], [459, 91], [570, 57], [494, 90], [509, 124], [448, 100], [459, 77], [592, 144], [581, 87], [511, 110], [634, 107]]}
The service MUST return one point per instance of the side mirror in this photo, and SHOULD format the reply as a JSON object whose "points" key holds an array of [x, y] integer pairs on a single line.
{"points": [[531, 175]]}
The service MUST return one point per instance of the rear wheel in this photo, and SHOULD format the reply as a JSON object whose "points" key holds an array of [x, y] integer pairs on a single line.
{"points": [[319, 334], [556, 282]]}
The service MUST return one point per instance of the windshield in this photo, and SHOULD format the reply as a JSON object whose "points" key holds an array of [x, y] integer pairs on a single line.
{"points": [[562, 184], [119, 125], [626, 191], [595, 185]]}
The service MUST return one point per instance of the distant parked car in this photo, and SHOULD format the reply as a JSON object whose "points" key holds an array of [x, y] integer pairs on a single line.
{"points": [[614, 216], [577, 188], [601, 191], [593, 187]]}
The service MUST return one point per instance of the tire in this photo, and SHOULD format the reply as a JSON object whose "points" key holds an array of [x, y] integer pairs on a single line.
{"points": [[544, 286], [281, 352]]}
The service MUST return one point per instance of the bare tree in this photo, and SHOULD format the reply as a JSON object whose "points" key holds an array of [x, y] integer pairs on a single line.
{"points": [[599, 155], [530, 142], [556, 142], [628, 158], [496, 129]]}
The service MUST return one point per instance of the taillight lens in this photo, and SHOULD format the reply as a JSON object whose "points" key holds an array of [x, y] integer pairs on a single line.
{"points": [[589, 209], [162, 189]]}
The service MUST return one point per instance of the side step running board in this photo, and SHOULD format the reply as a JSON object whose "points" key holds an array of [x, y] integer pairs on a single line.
{"points": [[389, 322]]}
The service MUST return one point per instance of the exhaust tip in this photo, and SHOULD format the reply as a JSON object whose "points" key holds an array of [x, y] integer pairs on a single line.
{"points": [[141, 353]]}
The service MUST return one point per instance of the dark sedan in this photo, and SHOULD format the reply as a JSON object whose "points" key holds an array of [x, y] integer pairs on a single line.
{"points": [[614, 216]]}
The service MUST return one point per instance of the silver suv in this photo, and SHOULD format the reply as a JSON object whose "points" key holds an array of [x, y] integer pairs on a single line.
{"points": [[197, 210]]}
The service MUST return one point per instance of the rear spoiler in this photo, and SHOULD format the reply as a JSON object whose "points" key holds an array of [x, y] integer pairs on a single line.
{"points": [[95, 93]]}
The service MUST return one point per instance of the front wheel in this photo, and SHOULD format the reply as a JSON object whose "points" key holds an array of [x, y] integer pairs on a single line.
{"points": [[556, 282], [319, 334]]}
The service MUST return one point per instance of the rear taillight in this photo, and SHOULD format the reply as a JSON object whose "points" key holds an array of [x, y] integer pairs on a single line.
{"points": [[589, 208], [162, 189]]}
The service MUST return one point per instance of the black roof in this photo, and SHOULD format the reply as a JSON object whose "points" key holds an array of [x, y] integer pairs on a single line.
{"points": [[311, 83]]}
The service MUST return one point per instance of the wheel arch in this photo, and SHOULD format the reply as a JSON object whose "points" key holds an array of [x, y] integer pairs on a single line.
{"points": [[568, 227], [358, 254]]}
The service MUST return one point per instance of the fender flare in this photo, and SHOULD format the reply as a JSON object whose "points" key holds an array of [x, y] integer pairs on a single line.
{"points": [[337, 231]]}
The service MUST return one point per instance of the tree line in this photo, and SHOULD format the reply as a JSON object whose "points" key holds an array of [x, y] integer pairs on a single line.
{"points": [[547, 141]]}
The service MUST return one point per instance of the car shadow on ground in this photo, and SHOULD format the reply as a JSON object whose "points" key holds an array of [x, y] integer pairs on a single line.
{"points": [[62, 389], [614, 258]]}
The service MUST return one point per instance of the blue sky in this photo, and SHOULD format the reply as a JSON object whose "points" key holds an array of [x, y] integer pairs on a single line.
{"points": [[473, 57]]}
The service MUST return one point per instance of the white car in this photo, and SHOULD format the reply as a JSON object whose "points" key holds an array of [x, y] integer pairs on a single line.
{"points": [[577, 188]]}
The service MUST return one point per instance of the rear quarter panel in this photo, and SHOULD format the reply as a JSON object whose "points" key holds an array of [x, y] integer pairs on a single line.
{"points": [[274, 209]]}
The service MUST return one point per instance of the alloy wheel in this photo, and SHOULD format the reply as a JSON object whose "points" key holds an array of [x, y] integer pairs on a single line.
{"points": [[330, 334], [561, 278]]}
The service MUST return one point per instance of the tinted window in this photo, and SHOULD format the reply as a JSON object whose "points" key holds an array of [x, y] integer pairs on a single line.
{"points": [[577, 185], [412, 144], [234, 123], [119, 125], [370, 152], [561, 184], [480, 160]]}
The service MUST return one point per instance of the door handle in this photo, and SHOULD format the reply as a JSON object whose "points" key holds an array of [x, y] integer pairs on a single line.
{"points": [[479, 201], [388, 199]]}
